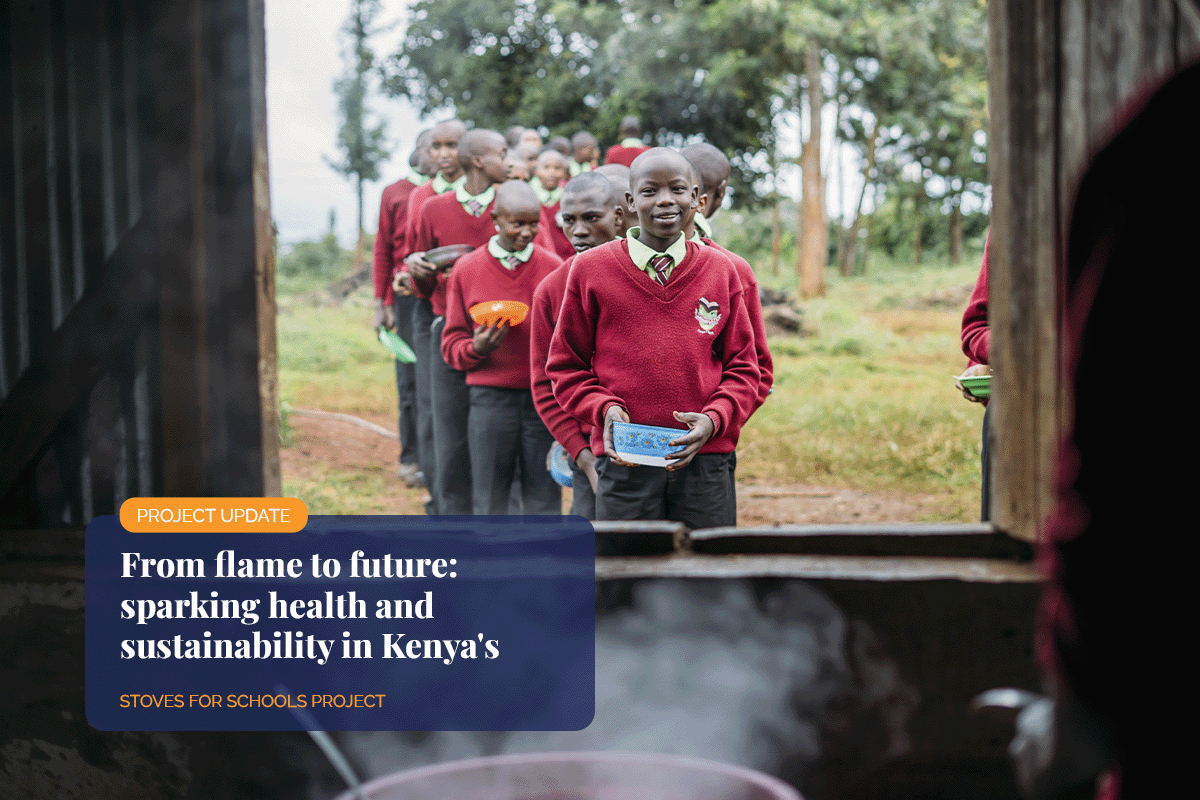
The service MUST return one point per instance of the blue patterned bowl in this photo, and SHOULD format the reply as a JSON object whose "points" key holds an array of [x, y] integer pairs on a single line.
{"points": [[645, 444], [560, 466]]}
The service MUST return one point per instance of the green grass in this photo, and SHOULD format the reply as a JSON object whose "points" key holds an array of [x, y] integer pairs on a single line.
{"points": [[330, 359], [864, 401]]}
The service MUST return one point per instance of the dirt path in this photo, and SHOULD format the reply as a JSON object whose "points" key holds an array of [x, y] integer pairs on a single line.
{"points": [[324, 454]]}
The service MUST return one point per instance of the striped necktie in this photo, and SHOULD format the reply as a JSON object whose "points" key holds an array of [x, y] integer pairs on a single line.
{"points": [[475, 207], [660, 264], [511, 262]]}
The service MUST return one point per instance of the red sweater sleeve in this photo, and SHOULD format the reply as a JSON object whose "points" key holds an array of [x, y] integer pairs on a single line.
{"points": [[976, 335], [383, 248], [458, 348], [736, 396], [766, 364], [569, 364], [420, 239], [562, 426]]}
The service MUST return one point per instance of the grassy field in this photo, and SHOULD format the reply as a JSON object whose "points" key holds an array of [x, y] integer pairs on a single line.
{"points": [[864, 400]]}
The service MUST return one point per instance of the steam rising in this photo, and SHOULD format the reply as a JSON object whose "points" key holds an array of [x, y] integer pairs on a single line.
{"points": [[709, 669]]}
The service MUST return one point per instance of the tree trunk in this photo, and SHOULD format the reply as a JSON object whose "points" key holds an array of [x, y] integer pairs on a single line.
{"points": [[918, 229], [956, 232], [776, 237], [846, 264], [814, 231]]}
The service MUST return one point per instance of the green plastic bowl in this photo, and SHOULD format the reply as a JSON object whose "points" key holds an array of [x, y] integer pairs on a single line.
{"points": [[978, 385], [398, 347]]}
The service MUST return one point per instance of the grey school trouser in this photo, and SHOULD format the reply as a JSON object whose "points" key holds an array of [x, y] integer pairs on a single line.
{"points": [[701, 495], [451, 405], [583, 499], [406, 383], [422, 319], [506, 433]]}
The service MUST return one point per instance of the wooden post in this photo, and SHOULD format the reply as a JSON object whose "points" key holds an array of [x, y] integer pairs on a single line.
{"points": [[1060, 74], [264, 258]]}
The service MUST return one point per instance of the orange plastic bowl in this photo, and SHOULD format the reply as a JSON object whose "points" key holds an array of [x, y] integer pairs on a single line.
{"points": [[494, 311]]}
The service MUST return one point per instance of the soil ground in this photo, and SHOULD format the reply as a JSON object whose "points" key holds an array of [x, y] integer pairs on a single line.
{"points": [[321, 447]]}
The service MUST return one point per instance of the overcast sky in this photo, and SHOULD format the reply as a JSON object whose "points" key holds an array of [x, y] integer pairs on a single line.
{"points": [[303, 59]]}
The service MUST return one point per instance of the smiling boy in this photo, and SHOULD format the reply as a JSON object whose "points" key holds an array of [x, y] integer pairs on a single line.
{"points": [[654, 330], [503, 426]]}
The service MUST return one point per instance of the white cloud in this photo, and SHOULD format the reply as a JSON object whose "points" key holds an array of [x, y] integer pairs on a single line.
{"points": [[303, 59]]}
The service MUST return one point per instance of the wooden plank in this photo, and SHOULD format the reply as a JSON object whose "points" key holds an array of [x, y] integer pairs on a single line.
{"points": [[1073, 140], [264, 259], [1187, 32], [10, 366], [971, 540], [1104, 25], [176, 61], [1158, 18], [1024, 287], [237, 406], [822, 567], [1049, 286]]}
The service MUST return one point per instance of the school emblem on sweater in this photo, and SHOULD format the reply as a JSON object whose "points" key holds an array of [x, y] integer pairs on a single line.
{"points": [[708, 314]]}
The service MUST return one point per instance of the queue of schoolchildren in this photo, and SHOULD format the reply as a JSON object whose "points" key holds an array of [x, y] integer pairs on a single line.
{"points": [[634, 314]]}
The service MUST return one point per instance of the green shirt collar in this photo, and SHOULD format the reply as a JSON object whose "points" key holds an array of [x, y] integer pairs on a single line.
{"points": [[501, 254], [632, 142], [546, 198], [703, 227], [641, 254], [416, 178], [696, 237], [441, 185], [484, 198], [577, 168]]}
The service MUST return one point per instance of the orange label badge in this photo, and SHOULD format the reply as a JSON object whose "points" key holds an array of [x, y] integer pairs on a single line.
{"points": [[214, 514]]}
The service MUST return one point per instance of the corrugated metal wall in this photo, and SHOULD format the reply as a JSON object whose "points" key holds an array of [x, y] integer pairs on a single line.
{"points": [[136, 298]]}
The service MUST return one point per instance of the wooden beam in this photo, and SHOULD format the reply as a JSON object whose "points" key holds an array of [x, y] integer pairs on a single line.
{"points": [[1024, 294], [264, 258]]}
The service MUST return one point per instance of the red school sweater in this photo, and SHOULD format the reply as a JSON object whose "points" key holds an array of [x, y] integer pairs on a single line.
{"points": [[479, 278], [543, 314], [687, 346], [766, 365], [389, 236], [550, 235], [443, 221], [976, 335], [618, 154], [416, 201]]}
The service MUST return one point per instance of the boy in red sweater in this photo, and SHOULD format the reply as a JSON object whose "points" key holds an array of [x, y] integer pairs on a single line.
{"points": [[549, 175], [442, 152], [631, 145], [459, 217], [585, 154], [592, 211], [394, 309], [503, 427], [695, 231], [619, 175], [654, 330]]}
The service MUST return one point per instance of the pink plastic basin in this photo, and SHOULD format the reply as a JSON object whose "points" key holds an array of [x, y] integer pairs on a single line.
{"points": [[579, 776]]}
